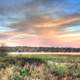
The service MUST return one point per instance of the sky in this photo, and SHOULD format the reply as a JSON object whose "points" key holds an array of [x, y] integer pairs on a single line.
{"points": [[40, 23]]}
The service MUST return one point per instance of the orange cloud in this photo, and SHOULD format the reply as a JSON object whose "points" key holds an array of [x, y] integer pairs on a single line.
{"points": [[56, 23], [46, 36]]}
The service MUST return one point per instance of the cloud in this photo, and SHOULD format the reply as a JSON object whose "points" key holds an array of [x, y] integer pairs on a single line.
{"points": [[42, 22]]}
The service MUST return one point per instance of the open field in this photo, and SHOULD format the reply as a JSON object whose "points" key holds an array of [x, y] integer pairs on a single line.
{"points": [[61, 57], [56, 57], [39, 67]]}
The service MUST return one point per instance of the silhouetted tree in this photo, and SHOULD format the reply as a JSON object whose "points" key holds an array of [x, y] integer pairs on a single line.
{"points": [[3, 52]]}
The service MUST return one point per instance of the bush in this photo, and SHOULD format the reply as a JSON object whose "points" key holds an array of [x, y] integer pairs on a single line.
{"points": [[24, 72]]}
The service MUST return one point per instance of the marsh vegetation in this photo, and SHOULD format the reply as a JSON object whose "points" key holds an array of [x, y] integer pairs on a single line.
{"points": [[36, 67]]}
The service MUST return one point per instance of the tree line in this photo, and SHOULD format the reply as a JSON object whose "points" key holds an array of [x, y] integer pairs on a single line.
{"points": [[38, 49]]}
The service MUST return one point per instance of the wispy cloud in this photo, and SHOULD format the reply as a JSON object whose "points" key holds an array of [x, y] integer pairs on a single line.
{"points": [[40, 22]]}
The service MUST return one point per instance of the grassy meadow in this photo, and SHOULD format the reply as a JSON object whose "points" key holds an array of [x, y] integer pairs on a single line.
{"points": [[39, 67]]}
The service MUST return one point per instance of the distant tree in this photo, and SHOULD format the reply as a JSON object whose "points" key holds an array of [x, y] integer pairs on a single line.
{"points": [[3, 52]]}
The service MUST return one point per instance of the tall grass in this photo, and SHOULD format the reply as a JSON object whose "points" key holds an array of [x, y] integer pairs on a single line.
{"points": [[44, 67]]}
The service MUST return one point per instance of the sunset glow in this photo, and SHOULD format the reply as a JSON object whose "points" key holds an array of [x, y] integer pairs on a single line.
{"points": [[43, 23]]}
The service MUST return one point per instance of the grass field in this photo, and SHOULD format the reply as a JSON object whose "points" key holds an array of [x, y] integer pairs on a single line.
{"points": [[54, 57], [39, 67]]}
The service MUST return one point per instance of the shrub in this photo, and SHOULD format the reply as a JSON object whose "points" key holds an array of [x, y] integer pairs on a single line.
{"points": [[24, 72]]}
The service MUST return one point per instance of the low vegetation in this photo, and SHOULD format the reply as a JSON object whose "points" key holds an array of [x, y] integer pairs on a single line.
{"points": [[39, 67]]}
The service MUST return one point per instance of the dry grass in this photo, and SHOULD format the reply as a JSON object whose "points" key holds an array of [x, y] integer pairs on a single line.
{"points": [[39, 67]]}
